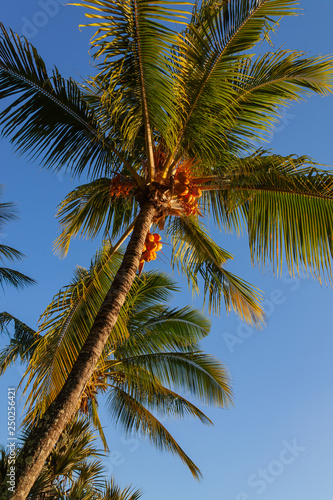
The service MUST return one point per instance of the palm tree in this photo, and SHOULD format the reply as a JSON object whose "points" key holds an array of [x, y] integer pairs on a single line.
{"points": [[152, 348], [74, 469], [171, 119], [10, 276]]}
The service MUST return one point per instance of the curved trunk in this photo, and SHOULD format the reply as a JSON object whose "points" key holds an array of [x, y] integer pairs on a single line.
{"points": [[45, 435]]}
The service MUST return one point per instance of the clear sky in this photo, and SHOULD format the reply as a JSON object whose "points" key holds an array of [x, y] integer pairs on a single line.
{"points": [[276, 443]]}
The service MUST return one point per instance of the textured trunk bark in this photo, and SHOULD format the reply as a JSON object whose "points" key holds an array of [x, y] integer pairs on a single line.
{"points": [[44, 436]]}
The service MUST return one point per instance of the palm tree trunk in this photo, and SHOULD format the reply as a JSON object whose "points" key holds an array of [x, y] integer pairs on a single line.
{"points": [[46, 433]]}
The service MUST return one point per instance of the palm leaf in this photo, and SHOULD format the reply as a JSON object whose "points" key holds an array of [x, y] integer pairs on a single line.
{"points": [[196, 254], [271, 81], [113, 492], [7, 211], [209, 66], [49, 119], [22, 341], [15, 278], [161, 328], [135, 417], [65, 325], [286, 203], [134, 38], [196, 373], [89, 209], [9, 253]]}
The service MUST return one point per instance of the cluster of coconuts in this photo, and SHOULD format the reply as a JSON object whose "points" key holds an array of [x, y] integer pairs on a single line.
{"points": [[152, 245], [120, 186], [184, 190]]}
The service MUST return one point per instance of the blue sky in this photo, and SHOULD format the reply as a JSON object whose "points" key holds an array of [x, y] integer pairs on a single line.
{"points": [[276, 443]]}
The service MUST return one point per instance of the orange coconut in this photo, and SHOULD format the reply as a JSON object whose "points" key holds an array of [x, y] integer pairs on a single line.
{"points": [[196, 191], [151, 246]]}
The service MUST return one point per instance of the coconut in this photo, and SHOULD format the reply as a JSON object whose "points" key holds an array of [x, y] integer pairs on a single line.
{"points": [[196, 191], [181, 190], [182, 178], [151, 256], [151, 246], [145, 255]]}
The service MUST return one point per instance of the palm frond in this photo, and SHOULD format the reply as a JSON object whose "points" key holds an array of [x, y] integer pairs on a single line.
{"points": [[49, 119], [195, 373], [145, 387], [113, 492], [286, 203], [65, 325], [7, 211], [132, 416], [91, 208], [15, 278], [22, 341], [159, 328], [10, 253], [274, 80], [149, 290], [196, 255], [134, 38], [209, 66], [10, 276]]}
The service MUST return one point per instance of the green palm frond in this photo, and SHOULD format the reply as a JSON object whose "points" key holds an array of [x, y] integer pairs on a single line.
{"points": [[10, 276], [49, 119], [150, 322], [7, 210], [160, 328], [65, 325], [9, 253], [134, 39], [196, 373], [148, 291], [126, 411], [209, 65], [89, 209], [145, 387], [74, 465], [274, 80], [113, 492], [196, 255], [15, 278], [22, 341], [286, 204]]}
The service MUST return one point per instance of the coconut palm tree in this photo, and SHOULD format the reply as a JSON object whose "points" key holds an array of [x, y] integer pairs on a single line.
{"points": [[10, 276], [169, 122], [152, 348]]}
